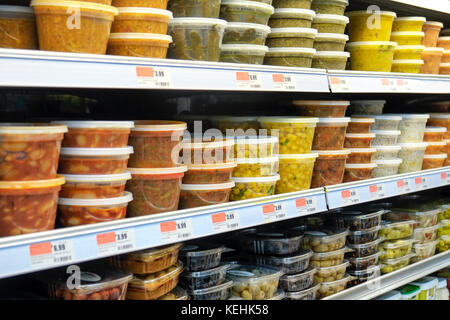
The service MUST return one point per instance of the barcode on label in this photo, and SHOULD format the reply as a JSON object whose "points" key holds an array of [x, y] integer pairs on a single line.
{"points": [[62, 259], [125, 247], [183, 235], [163, 84], [234, 225]]}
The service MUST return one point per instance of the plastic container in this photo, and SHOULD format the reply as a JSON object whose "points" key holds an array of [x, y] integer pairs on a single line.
{"points": [[358, 172], [195, 8], [365, 249], [412, 127], [209, 173], [199, 195], [431, 30], [411, 209], [94, 160], [407, 38], [290, 57], [329, 274], [427, 287], [442, 292], [153, 286], [18, 28], [291, 37], [447, 150], [271, 243], [94, 186], [385, 137], [386, 152], [291, 18], [29, 152], [330, 60], [432, 58], [207, 152], [203, 279], [328, 259], [301, 4], [236, 125], [330, 134], [363, 236], [444, 228], [358, 140], [329, 288], [445, 212], [409, 292], [330, 23], [431, 161], [367, 107], [298, 282], [295, 134], [440, 120], [325, 240], [199, 256], [444, 42], [355, 220], [28, 206], [158, 4], [408, 52], [357, 264], [360, 155], [146, 45], [386, 167], [406, 66], [444, 68], [361, 276], [329, 6], [360, 125], [443, 244], [371, 55], [295, 172], [245, 33], [141, 20], [243, 53], [434, 134], [329, 168], [219, 292], [176, 294], [292, 264], [255, 146], [246, 11], [330, 42], [393, 249], [57, 31], [279, 295], [425, 235], [307, 294], [396, 230], [370, 26], [408, 24], [75, 212], [196, 38], [249, 188], [412, 155], [446, 56], [321, 108], [424, 251]]}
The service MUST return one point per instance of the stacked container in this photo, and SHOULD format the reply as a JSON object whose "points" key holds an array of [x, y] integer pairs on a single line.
{"points": [[442, 120], [94, 159], [432, 54], [435, 155], [19, 28]]}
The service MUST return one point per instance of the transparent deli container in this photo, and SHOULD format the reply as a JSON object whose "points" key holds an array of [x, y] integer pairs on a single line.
{"points": [[424, 251], [371, 55], [358, 172], [144, 45], [408, 24], [386, 167], [329, 259], [279, 295], [431, 30], [440, 120], [256, 167], [330, 133], [291, 18], [195, 8], [363, 236], [141, 20], [443, 243], [321, 108], [431, 161], [356, 220], [393, 249], [330, 42], [203, 279], [245, 33], [307, 294], [444, 228], [298, 282], [391, 265], [361, 155], [425, 235], [219, 292], [412, 208], [386, 122], [432, 58], [291, 37], [206, 151], [359, 140], [444, 68], [396, 230], [412, 127], [330, 60], [271, 243], [407, 38], [408, 52], [236, 125], [292, 264], [18, 28], [329, 167], [364, 262], [200, 256], [325, 240], [246, 11], [386, 152], [243, 53], [360, 30], [209, 173], [329, 288], [361, 276], [434, 134], [329, 6], [295, 172], [176, 294], [407, 66], [330, 23], [249, 188], [385, 137], [290, 57], [257, 146], [254, 282], [360, 124], [329, 274], [367, 107], [199, 195], [412, 155], [365, 249]]}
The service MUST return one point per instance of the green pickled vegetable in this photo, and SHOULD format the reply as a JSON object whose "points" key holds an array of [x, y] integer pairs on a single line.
{"points": [[289, 23], [245, 36], [195, 8], [329, 27], [300, 4], [329, 45], [328, 7], [330, 63], [298, 42], [233, 13], [241, 58], [289, 61]]}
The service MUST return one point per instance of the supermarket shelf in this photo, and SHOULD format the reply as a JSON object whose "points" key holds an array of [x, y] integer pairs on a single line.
{"points": [[378, 286], [387, 82], [352, 193], [50, 249], [43, 69]]}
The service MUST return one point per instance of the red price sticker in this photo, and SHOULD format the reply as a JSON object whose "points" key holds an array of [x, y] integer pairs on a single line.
{"points": [[114, 242], [418, 180], [338, 84], [373, 188], [274, 212], [225, 221], [153, 77], [284, 81], [389, 84], [350, 196], [377, 191], [403, 186], [52, 253], [306, 206], [248, 80], [173, 231]]}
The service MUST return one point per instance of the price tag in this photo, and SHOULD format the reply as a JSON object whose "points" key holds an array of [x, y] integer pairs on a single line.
{"points": [[350, 197], [249, 80], [153, 77], [404, 186], [274, 212], [50, 253], [115, 242], [306, 206], [284, 81], [421, 182], [377, 191], [445, 178], [178, 230], [339, 84], [225, 221], [403, 85], [389, 85]]}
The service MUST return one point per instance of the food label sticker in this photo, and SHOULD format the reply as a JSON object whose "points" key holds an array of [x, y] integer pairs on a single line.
{"points": [[421, 182], [115, 242], [173, 231], [248, 80], [389, 85], [306, 206], [350, 196], [283, 81], [404, 186], [403, 85], [225, 221], [339, 84], [377, 191], [51, 253], [445, 178], [274, 212], [153, 77]]}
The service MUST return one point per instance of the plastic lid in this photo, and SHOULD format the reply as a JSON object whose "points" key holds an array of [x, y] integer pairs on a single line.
{"points": [[201, 249], [293, 13], [18, 9], [360, 165], [159, 125], [407, 61], [288, 120], [251, 4], [435, 129], [371, 43], [220, 287], [125, 198], [273, 178], [387, 148], [411, 19], [388, 161], [440, 115], [334, 120], [188, 144], [442, 283], [407, 33], [75, 4], [363, 12], [96, 124], [413, 145], [426, 283], [395, 244], [444, 39], [362, 150], [411, 116], [245, 25], [435, 156], [434, 23], [10, 128], [298, 32], [360, 135], [361, 232], [436, 143], [444, 65], [155, 252], [332, 152], [290, 50], [154, 11], [97, 177], [157, 171], [434, 49], [248, 48], [92, 152], [320, 103], [206, 187], [331, 36], [299, 156], [212, 166], [362, 120], [145, 281], [246, 273], [205, 273], [410, 47], [327, 234], [191, 22], [141, 36], [257, 160], [331, 18], [332, 54], [253, 139], [377, 117], [298, 295], [34, 184], [409, 291], [387, 132]]}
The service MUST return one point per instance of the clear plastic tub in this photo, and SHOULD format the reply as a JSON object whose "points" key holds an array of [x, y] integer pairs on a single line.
{"points": [[329, 274], [407, 38], [356, 220], [245, 33], [358, 140], [444, 228], [57, 31], [254, 282], [445, 212], [406, 66], [363, 26], [385, 137], [28, 206], [243, 53], [292, 264], [444, 68], [330, 133], [295, 172], [364, 249], [363, 236], [329, 168], [154, 285], [291, 18], [290, 57], [434, 134], [295, 134], [321, 108], [444, 42], [156, 143], [219, 292], [330, 23], [431, 30], [443, 244], [412, 127], [431, 161], [18, 27], [412, 155], [432, 58], [391, 265], [298, 282], [358, 172], [29, 152], [199, 195], [196, 38], [176, 294], [158, 4], [325, 240], [413, 208], [279, 295], [360, 155], [408, 24], [246, 11], [386, 152], [155, 190], [440, 120], [330, 60], [367, 107], [445, 57], [361, 276], [209, 173], [145, 45], [236, 125], [301, 4], [203, 279], [360, 125], [94, 160], [307, 294], [195, 8], [371, 55], [199, 256], [396, 230], [329, 288], [271, 243], [291, 37], [329, 6], [386, 167], [94, 186], [206, 152], [328, 259], [447, 150], [255, 146], [423, 251], [425, 235], [75, 212], [363, 263], [141, 20], [330, 42], [408, 52], [393, 249], [249, 188]]}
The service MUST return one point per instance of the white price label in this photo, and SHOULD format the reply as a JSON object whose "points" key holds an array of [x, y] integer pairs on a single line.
{"points": [[377, 191], [421, 183], [339, 84], [350, 197], [51, 253], [173, 231], [404, 186], [403, 85], [225, 221], [306, 206], [445, 178], [115, 242], [284, 81], [389, 85], [153, 77], [274, 212], [249, 80]]}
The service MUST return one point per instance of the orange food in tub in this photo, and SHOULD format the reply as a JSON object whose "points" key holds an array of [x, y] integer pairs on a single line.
{"points": [[444, 42], [447, 151], [361, 155], [94, 186], [444, 68], [17, 28], [431, 161], [431, 30], [358, 140], [435, 147], [199, 195], [434, 134], [105, 2], [445, 56], [360, 125], [207, 152], [431, 60], [321, 108], [146, 45], [158, 4], [329, 167], [357, 172], [141, 20], [29, 152], [440, 120], [209, 173], [330, 133], [28, 206]]}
